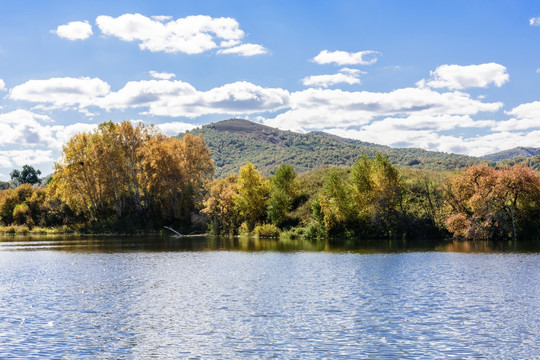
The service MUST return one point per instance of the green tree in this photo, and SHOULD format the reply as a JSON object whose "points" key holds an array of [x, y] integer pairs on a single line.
{"points": [[283, 190], [333, 205], [28, 175]]}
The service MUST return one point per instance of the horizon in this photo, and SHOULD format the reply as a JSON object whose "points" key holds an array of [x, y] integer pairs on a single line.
{"points": [[459, 78]]}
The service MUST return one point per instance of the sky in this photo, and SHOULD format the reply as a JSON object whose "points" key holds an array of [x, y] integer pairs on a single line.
{"points": [[454, 76]]}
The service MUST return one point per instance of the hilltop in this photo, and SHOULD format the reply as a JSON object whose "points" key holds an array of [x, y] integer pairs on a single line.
{"points": [[526, 152], [235, 141]]}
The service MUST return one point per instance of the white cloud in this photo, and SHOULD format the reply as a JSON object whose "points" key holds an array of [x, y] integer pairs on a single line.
{"points": [[21, 157], [159, 97], [162, 18], [527, 116], [147, 93], [345, 75], [61, 92], [535, 21], [323, 108], [431, 140], [161, 75], [2, 85], [23, 127], [347, 58], [175, 128], [234, 99], [189, 35], [75, 30], [456, 77], [245, 50]]}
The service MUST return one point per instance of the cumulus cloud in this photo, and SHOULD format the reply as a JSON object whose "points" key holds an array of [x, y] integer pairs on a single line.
{"points": [[345, 75], [23, 127], [161, 75], [347, 58], [61, 92], [535, 21], [159, 97], [431, 140], [75, 30], [21, 157], [175, 128], [526, 116], [233, 99], [313, 109], [245, 50], [2, 85], [189, 35], [456, 77]]}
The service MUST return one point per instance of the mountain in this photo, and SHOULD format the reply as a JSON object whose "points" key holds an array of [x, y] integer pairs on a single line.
{"points": [[510, 154], [235, 141]]}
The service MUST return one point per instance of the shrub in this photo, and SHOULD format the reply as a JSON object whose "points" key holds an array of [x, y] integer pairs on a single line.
{"points": [[22, 214], [266, 231]]}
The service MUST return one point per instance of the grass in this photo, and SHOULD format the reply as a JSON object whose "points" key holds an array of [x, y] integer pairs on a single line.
{"points": [[35, 230]]}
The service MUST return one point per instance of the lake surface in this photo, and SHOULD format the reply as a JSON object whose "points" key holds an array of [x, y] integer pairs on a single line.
{"points": [[206, 298]]}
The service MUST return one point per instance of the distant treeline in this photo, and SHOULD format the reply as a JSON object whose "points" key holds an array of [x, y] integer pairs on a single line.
{"points": [[126, 178]]}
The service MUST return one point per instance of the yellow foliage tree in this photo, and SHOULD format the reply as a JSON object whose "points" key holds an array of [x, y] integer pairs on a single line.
{"points": [[252, 196], [123, 169]]}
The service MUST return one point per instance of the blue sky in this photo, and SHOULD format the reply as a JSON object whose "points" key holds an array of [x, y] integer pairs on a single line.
{"points": [[454, 76]]}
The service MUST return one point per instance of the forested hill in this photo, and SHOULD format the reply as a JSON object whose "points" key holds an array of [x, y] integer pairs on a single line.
{"points": [[509, 154], [233, 142]]}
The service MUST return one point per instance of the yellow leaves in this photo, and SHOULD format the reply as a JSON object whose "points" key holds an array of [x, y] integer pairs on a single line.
{"points": [[252, 195], [130, 168]]}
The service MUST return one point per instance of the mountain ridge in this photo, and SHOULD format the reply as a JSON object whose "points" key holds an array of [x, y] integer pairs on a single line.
{"points": [[233, 142], [509, 154]]}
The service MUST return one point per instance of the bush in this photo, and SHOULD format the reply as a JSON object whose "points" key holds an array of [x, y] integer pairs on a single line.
{"points": [[266, 231], [22, 214], [315, 231]]}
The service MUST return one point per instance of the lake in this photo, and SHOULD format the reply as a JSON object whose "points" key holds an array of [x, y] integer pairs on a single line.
{"points": [[209, 298]]}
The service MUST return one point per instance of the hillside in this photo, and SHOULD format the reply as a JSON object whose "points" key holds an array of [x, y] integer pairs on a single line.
{"points": [[233, 142], [510, 154]]}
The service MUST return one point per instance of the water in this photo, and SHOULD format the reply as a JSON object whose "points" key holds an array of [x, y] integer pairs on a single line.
{"points": [[214, 298]]}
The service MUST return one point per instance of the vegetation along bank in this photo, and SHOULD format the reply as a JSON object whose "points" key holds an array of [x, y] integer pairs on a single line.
{"points": [[125, 178]]}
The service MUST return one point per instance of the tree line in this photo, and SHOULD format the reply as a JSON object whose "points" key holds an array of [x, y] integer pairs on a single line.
{"points": [[127, 177]]}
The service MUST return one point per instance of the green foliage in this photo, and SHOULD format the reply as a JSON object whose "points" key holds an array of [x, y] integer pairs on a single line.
{"points": [[266, 231], [4, 185], [28, 175], [233, 142], [283, 191], [520, 151]]}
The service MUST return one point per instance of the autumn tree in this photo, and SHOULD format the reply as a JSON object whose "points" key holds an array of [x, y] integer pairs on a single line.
{"points": [[486, 203], [131, 170], [220, 205], [252, 196]]}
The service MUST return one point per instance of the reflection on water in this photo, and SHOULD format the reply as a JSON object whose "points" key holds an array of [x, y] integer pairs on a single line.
{"points": [[214, 243], [131, 298]]}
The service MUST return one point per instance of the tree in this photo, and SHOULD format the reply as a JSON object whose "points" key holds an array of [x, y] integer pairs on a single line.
{"points": [[484, 203], [283, 190], [333, 205], [122, 170], [252, 196], [377, 190], [220, 205], [28, 175]]}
